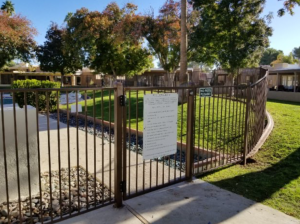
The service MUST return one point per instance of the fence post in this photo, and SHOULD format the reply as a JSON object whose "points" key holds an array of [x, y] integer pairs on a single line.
{"points": [[190, 136], [118, 93], [248, 103]]}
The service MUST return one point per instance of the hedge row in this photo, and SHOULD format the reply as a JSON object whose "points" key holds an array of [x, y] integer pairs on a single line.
{"points": [[31, 96]]}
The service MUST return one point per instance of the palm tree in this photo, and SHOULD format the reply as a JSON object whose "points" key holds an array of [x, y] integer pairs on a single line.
{"points": [[8, 7], [183, 45]]}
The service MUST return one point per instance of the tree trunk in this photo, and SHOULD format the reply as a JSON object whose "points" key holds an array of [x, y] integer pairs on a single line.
{"points": [[184, 42], [169, 79], [62, 79]]}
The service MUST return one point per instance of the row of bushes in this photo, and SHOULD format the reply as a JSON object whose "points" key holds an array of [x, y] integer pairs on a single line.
{"points": [[31, 95]]}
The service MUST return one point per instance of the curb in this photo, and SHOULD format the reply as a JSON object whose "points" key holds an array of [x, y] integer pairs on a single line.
{"points": [[264, 136]]}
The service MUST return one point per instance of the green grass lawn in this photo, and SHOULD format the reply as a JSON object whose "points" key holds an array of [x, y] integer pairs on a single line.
{"points": [[273, 177], [220, 126]]}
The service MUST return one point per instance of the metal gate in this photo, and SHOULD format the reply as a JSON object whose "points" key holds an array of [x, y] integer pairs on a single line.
{"points": [[57, 163]]}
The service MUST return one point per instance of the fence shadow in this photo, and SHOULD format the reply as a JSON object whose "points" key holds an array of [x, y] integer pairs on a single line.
{"points": [[261, 185]]}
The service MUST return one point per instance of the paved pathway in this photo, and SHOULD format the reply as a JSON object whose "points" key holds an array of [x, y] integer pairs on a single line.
{"points": [[197, 202], [104, 157]]}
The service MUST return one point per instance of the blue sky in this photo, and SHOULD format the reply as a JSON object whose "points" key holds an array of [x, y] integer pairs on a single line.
{"points": [[286, 33]]}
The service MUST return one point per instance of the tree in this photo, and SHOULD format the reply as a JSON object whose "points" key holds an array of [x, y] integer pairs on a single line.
{"points": [[54, 56], [281, 58], [288, 6], [231, 32], [163, 36], [110, 39], [269, 55], [16, 38], [296, 52], [8, 7]]}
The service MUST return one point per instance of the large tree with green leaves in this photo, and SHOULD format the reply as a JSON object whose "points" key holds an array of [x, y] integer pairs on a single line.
{"points": [[231, 32], [281, 58], [16, 38], [296, 52], [269, 55], [164, 36], [54, 56], [110, 39], [8, 7]]}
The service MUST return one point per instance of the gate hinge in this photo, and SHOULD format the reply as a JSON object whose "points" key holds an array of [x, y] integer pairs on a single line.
{"points": [[123, 186], [122, 100]]}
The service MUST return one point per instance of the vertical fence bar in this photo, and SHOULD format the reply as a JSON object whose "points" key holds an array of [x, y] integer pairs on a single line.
{"points": [[58, 149], [77, 147], [39, 152], [28, 156], [86, 152], [136, 141], [102, 141], [118, 146], [190, 137], [4, 157], [124, 148], [246, 124], [17, 155], [49, 154], [69, 150], [109, 119], [95, 152], [129, 132]]}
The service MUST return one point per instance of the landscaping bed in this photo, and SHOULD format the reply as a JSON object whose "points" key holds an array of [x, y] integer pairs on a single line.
{"points": [[69, 202]]}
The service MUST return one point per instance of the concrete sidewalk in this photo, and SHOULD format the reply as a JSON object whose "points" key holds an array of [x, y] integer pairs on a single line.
{"points": [[197, 202]]}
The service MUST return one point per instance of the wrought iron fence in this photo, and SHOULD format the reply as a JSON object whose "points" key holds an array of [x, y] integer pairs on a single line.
{"points": [[84, 151]]}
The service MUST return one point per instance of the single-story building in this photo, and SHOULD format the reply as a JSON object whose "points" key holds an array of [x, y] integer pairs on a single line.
{"points": [[283, 82], [87, 77], [220, 77], [157, 77]]}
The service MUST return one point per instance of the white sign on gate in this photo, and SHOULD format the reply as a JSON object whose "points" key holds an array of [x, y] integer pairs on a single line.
{"points": [[160, 125]]}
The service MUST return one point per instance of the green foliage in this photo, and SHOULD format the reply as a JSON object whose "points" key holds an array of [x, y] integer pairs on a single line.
{"points": [[231, 32], [288, 6], [31, 96], [8, 7], [110, 40], [163, 35], [16, 38], [54, 55], [269, 55], [281, 58], [296, 52]]}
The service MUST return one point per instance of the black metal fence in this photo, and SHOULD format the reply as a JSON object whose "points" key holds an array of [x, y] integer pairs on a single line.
{"points": [[84, 150]]}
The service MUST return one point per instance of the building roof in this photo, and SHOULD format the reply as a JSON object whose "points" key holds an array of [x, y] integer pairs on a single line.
{"points": [[284, 68]]}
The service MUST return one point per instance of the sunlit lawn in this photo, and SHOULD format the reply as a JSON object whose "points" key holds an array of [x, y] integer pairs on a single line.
{"points": [[220, 126], [273, 178]]}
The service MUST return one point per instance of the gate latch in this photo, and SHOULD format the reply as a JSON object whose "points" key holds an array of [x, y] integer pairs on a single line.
{"points": [[123, 186], [122, 100]]}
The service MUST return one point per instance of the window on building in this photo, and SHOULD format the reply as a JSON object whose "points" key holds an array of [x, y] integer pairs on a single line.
{"points": [[287, 80]]}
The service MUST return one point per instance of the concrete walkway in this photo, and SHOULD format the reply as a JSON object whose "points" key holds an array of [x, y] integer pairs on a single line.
{"points": [[104, 154], [197, 202]]}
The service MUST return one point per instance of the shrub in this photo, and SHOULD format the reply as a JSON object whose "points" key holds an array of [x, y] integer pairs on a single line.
{"points": [[31, 96]]}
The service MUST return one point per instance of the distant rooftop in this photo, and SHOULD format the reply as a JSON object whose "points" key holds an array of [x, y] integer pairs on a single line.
{"points": [[284, 68]]}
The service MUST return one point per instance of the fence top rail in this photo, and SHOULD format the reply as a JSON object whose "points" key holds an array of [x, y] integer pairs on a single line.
{"points": [[174, 88], [260, 80], [55, 89]]}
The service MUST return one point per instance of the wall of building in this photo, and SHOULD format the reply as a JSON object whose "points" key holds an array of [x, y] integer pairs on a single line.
{"points": [[285, 96]]}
